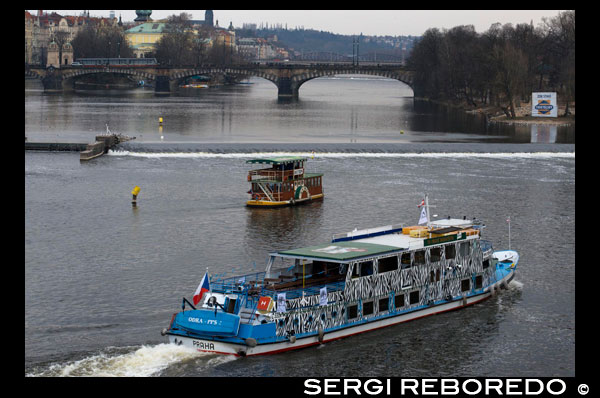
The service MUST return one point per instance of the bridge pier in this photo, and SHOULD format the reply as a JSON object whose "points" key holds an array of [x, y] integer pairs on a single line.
{"points": [[285, 88], [52, 83], [162, 85]]}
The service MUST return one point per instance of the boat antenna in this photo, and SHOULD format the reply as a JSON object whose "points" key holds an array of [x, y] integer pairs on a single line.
{"points": [[508, 221]]}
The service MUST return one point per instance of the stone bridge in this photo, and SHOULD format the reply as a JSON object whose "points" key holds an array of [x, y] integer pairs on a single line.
{"points": [[288, 77]]}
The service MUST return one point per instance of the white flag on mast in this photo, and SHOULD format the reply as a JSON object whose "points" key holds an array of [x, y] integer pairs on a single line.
{"points": [[423, 218]]}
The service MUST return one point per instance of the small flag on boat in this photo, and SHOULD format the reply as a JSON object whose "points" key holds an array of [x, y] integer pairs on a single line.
{"points": [[422, 203], [203, 287], [423, 218]]}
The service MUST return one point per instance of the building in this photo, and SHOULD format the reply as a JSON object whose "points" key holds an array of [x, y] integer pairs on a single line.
{"points": [[260, 48], [58, 57], [43, 29], [143, 38]]}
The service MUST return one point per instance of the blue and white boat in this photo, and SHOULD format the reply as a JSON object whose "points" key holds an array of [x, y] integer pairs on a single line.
{"points": [[360, 281]]}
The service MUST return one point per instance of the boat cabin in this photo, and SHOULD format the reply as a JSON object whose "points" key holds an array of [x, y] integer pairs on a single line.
{"points": [[284, 183]]}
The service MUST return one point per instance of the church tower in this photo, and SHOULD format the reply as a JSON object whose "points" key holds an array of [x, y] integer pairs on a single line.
{"points": [[208, 18]]}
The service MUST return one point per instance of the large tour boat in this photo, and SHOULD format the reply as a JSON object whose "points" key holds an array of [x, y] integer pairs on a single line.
{"points": [[285, 183], [360, 281]]}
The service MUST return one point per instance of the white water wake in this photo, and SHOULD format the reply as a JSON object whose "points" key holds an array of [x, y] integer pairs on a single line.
{"points": [[141, 362]]}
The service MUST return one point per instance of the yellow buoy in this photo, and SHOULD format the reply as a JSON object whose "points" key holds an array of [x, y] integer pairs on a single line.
{"points": [[135, 193], [160, 120]]}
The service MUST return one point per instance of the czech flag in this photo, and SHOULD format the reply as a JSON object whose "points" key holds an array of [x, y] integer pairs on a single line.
{"points": [[203, 287]]}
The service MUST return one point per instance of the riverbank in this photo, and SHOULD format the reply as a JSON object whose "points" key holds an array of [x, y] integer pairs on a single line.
{"points": [[495, 114], [523, 115]]}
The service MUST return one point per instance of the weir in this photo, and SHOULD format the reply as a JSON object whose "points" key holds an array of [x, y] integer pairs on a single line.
{"points": [[99, 147]]}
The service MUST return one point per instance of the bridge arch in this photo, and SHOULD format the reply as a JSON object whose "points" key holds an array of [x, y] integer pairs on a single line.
{"points": [[246, 73], [300, 79], [141, 74]]}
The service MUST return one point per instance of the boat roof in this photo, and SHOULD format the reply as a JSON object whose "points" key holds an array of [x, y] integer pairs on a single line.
{"points": [[377, 241], [338, 251], [277, 160]]}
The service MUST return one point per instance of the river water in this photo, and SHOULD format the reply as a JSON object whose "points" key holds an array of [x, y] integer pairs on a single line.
{"points": [[103, 278]]}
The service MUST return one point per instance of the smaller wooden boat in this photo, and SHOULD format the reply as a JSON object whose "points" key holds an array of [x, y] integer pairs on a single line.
{"points": [[285, 183]]}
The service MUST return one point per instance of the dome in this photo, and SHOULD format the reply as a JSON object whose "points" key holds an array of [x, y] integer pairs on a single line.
{"points": [[143, 15]]}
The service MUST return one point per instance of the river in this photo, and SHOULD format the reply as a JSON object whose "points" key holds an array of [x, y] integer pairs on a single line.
{"points": [[102, 278]]}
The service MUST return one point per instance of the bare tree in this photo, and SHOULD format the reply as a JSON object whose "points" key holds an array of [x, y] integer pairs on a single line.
{"points": [[511, 74], [178, 39], [101, 41]]}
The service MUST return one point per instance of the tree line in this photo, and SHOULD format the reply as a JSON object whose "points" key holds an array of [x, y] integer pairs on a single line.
{"points": [[500, 66]]}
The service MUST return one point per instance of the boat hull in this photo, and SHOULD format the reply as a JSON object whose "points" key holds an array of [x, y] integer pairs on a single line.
{"points": [[242, 349], [283, 203]]}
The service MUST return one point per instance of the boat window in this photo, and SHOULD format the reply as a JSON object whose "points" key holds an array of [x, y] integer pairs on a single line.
{"points": [[437, 275], [399, 301], [464, 249], [431, 276], [352, 311], [465, 285], [450, 251], [478, 282], [420, 257], [435, 254], [384, 304], [387, 264], [405, 260], [362, 269], [486, 263], [367, 308], [414, 297]]}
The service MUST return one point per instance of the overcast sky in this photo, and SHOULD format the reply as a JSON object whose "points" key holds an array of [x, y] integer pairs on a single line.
{"points": [[352, 22]]}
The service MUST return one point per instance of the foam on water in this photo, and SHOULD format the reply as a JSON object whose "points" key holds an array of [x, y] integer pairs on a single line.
{"points": [[200, 155], [140, 362]]}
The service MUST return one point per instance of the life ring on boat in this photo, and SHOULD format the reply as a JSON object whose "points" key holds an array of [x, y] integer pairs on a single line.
{"points": [[249, 178]]}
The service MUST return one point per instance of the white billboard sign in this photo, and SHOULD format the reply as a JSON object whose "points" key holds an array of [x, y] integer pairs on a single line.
{"points": [[544, 105]]}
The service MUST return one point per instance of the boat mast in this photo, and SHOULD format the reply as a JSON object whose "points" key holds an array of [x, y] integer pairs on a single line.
{"points": [[427, 211], [508, 220]]}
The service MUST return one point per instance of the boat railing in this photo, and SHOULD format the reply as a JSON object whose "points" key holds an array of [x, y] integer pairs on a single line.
{"points": [[306, 291], [273, 174], [235, 284]]}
